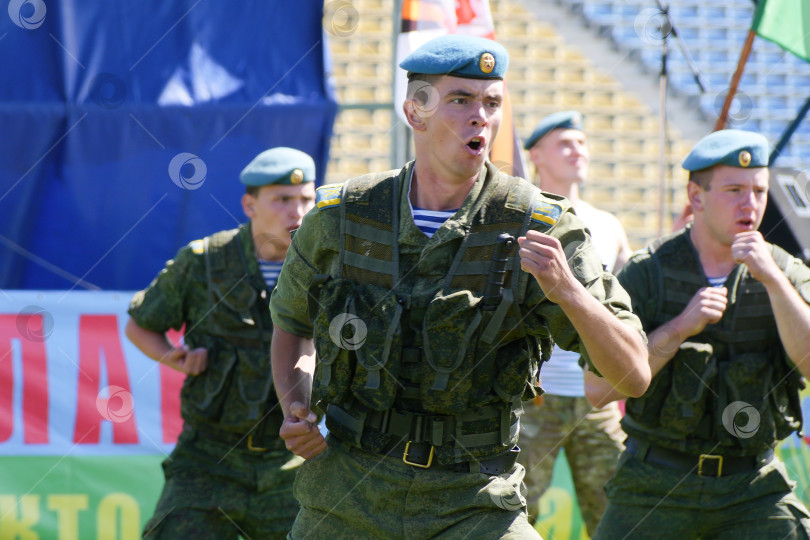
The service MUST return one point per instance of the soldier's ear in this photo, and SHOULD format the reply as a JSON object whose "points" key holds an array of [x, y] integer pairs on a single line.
{"points": [[415, 120], [534, 154], [248, 202], [695, 195]]}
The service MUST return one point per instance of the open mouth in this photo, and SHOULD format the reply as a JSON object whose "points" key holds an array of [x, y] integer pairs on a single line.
{"points": [[747, 223], [475, 143]]}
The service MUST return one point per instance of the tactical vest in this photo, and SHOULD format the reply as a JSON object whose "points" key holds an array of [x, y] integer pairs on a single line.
{"points": [[235, 391], [387, 338], [731, 384]]}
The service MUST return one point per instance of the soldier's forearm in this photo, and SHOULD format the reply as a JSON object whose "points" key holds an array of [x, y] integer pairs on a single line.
{"points": [[599, 392], [662, 345], [615, 349], [792, 316], [293, 362], [153, 344]]}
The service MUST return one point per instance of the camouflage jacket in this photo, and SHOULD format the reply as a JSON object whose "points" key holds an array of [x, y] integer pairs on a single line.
{"points": [[214, 287], [424, 265], [730, 389]]}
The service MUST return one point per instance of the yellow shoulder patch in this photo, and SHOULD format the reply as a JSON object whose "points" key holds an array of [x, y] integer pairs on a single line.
{"points": [[197, 247], [329, 195], [546, 212]]}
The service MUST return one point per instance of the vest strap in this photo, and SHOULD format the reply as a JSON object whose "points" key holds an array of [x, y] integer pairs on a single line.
{"points": [[495, 323], [368, 263], [471, 268], [367, 232], [437, 430]]}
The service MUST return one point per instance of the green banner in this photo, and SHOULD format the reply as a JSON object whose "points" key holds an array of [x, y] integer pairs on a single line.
{"points": [[559, 517], [76, 498], [112, 497]]}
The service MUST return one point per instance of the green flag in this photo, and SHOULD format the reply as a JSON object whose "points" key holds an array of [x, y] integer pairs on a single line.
{"points": [[786, 23]]}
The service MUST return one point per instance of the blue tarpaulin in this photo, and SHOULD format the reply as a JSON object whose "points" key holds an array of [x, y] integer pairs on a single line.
{"points": [[124, 125]]}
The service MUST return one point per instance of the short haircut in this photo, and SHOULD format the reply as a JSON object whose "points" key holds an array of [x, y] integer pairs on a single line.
{"points": [[253, 191], [417, 91], [702, 178]]}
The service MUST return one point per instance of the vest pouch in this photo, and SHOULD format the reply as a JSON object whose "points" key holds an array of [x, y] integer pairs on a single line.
{"points": [[519, 355], [746, 417], [646, 410], [249, 391], [516, 366], [203, 395], [375, 339], [786, 402], [334, 368], [449, 340], [694, 369], [233, 303]]}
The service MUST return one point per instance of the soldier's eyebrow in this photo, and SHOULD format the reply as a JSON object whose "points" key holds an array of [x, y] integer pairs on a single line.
{"points": [[489, 96], [460, 93], [494, 96], [740, 185]]}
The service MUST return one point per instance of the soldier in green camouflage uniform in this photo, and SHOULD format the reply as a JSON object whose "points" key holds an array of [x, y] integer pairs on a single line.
{"points": [[230, 473], [728, 322], [428, 338]]}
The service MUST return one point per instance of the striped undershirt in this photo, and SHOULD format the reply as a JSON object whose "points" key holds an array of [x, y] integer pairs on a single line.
{"points": [[270, 271], [717, 281], [429, 221]]}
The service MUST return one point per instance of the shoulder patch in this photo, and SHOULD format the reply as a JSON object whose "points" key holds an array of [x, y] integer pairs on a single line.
{"points": [[197, 247], [546, 212], [329, 195]]}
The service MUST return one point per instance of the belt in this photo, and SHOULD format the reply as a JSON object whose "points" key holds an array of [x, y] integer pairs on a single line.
{"points": [[703, 464], [420, 454], [435, 429], [248, 441]]}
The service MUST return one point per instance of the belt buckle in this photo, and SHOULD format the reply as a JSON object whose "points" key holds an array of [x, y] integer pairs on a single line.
{"points": [[420, 465], [704, 457], [254, 448]]}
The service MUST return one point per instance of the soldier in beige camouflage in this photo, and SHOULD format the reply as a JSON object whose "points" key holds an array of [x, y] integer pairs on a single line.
{"points": [[414, 306], [230, 473], [728, 317]]}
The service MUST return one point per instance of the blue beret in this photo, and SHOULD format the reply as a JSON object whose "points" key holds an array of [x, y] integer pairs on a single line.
{"points": [[557, 120], [460, 56], [279, 166], [732, 147]]}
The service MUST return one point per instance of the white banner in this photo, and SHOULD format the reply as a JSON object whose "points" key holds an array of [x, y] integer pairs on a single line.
{"points": [[71, 383]]}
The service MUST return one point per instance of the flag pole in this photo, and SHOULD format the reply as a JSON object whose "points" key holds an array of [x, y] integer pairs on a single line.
{"points": [[788, 133], [735, 80], [667, 29], [400, 135], [662, 137]]}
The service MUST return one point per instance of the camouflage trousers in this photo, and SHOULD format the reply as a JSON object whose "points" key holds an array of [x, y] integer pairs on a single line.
{"points": [[651, 501], [592, 439], [217, 490], [349, 493]]}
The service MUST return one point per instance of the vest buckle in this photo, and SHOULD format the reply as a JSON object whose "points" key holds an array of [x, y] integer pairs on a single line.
{"points": [[253, 448], [708, 457], [419, 455]]}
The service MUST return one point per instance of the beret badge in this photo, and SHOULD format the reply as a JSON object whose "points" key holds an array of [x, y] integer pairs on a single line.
{"points": [[296, 177], [486, 62]]}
